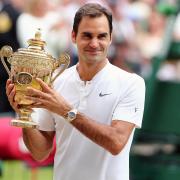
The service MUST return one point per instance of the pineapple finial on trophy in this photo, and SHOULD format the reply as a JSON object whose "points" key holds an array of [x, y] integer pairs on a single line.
{"points": [[36, 42], [38, 34]]}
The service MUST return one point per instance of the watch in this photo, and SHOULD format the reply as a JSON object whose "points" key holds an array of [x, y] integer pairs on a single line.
{"points": [[71, 115]]}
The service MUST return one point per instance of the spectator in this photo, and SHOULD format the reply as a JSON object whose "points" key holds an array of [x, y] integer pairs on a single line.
{"points": [[39, 14], [8, 36]]}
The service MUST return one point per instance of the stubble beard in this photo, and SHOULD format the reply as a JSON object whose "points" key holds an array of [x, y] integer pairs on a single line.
{"points": [[93, 59]]}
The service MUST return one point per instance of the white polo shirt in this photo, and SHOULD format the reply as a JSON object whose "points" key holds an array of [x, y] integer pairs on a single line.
{"points": [[113, 94]]}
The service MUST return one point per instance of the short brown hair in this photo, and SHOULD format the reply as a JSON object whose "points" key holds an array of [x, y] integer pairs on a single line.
{"points": [[92, 10]]}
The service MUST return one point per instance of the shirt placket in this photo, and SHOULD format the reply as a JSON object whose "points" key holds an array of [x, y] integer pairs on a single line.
{"points": [[84, 92]]}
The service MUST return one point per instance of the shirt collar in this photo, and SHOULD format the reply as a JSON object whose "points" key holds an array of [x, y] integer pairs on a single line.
{"points": [[96, 77]]}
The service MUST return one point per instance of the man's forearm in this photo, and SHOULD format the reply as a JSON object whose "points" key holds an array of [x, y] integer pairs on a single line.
{"points": [[39, 143], [103, 135]]}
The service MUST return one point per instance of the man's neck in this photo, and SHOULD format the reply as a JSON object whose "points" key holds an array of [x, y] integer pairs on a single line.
{"points": [[88, 71]]}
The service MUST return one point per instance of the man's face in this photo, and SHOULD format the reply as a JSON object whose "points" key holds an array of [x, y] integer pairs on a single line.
{"points": [[93, 39]]}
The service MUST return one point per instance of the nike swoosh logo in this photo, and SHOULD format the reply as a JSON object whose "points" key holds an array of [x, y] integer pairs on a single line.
{"points": [[101, 94]]}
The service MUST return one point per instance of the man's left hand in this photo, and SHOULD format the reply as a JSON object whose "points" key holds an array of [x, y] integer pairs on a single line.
{"points": [[48, 99]]}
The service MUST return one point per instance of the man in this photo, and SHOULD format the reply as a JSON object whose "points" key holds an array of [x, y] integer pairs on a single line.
{"points": [[93, 107]]}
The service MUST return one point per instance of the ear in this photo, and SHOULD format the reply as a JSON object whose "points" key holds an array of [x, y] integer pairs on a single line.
{"points": [[73, 37]]}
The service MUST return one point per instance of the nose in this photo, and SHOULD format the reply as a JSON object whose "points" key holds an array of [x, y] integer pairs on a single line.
{"points": [[94, 43]]}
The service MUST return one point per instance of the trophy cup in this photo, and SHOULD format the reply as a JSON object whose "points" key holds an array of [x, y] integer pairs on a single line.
{"points": [[26, 65]]}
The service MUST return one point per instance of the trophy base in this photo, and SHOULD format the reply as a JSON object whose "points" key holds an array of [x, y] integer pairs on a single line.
{"points": [[23, 124]]}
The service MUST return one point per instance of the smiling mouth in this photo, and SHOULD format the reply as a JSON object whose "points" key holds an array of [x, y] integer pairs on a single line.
{"points": [[93, 52]]}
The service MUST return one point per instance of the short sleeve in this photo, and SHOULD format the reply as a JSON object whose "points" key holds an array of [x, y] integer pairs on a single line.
{"points": [[130, 107], [44, 119]]}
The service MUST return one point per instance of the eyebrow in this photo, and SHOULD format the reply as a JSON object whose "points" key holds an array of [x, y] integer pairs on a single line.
{"points": [[90, 34], [103, 34], [86, 33]]}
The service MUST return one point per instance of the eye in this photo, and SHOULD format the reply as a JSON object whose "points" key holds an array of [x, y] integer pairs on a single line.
{"points": [[102, 36], [86, 36]]}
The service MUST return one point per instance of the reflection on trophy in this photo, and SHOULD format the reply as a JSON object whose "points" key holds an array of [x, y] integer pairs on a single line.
{"points": [[27, 64]]}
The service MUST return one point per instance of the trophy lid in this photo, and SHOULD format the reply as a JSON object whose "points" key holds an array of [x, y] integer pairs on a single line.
{"points": [[35, 49], [37, 42]]}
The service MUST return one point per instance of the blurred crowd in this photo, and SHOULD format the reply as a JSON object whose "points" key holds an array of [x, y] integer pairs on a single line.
{"points": [[139, 27], [138, 37]]}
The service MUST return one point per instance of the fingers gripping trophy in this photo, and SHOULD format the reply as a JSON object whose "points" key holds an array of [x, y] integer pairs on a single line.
{"points": [[26, 65]]}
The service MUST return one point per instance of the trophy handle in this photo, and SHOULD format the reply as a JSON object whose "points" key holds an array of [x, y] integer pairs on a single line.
{"points": [[64, 61], [6, 51]]}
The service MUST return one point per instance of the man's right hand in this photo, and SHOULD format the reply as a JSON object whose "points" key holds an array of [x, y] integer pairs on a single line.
{"points": [[10, 92]]}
